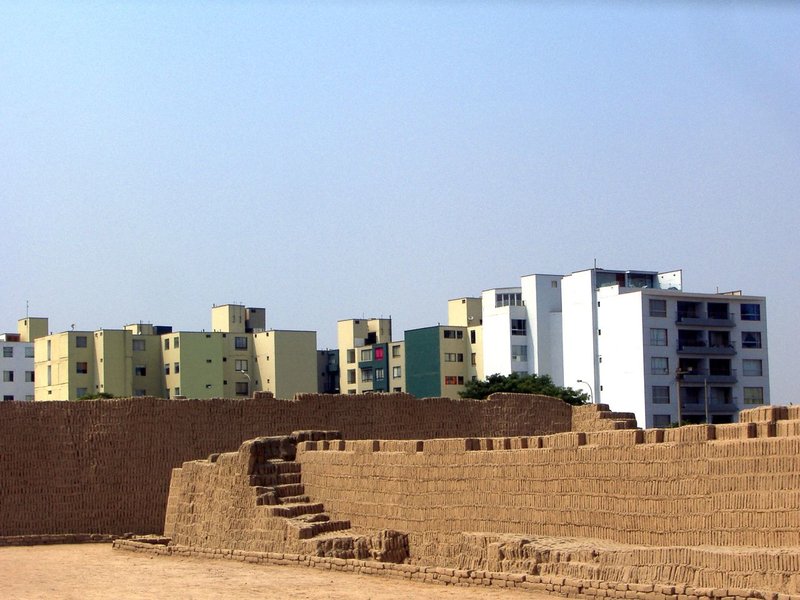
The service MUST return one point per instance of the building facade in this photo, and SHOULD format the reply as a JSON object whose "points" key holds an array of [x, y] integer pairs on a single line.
{"points": [[235, 359], [634, 340], [442, 359], [369, 359]]}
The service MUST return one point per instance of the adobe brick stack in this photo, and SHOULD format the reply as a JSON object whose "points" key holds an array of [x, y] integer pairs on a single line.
{"points": [[103, 467]]}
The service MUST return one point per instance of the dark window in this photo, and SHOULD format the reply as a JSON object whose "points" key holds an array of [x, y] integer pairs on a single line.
{"points": [[751, 312]]}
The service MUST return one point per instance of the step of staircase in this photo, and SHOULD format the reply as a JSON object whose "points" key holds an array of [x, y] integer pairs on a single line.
{"points": [[286, 478], [289, 489], [294, 499], [289, 511], [307, 531]]}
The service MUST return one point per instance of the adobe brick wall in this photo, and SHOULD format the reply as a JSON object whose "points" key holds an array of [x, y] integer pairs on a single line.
{"points": [[690, 505], [699, 508], [104, 466]]}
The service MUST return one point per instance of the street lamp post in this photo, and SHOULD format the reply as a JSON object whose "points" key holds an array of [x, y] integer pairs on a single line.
{"points": [[678, 374], [591, 392]]}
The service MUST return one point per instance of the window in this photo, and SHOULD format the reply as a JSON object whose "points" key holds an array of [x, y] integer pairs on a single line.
{"points": [[754, 395], [658, 308], [751, 339], [28, 351], [472, 337], [29, 397], [140, 370], [752, 367], [658, 337], [240, 342], [473, 358], [177, 391], [8, 351], [519, 327], [140, 392], [81, 392], [453, 380], [366, 375], [166, 369], [176, 342], [351, 356], [659, 365], [396, 372], [8, 375], [177, 367], [81, 367], [29, 377], [453, 334], [508, 299], [49, 348], [7, 397], [379, 353], [453, 357], [80, 341], [166, 344], [138, 345], [396, 351], [519, 353], [661, 394], [751, 312], [380, 374], [242, 388], [661, 420], [240, 365], [366, 355], [351, 375], [554, 283]]}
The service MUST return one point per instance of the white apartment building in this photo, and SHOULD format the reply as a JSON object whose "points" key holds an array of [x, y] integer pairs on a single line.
{"points": [[16, 359], [16, 364], [635, 341], [522, 328]]}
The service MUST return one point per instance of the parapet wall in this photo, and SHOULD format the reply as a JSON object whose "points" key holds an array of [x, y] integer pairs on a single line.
{"points": [[712, 506], [104, 466]]}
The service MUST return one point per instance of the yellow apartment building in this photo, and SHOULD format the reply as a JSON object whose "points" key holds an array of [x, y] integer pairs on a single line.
{"points": [[369, 361], [235, 359]]}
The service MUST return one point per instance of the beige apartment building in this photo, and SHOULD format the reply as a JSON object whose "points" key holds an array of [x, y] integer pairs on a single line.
{"points": [[239, 356], [369, 360], [442, 359]]}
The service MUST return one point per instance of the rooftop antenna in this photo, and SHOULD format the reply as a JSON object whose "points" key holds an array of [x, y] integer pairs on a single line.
{"points": [[595, 263], [27, 306]]}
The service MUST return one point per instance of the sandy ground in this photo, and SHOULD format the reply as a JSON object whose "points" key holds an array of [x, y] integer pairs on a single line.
{"points": [[94, 571]]}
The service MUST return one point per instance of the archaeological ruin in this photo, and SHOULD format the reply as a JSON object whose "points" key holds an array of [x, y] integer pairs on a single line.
{"points": [[514, 491]]}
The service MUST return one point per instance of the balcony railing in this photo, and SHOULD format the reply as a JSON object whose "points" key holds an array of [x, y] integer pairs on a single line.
{"points": [[714, 408], [700, 347], [704, 319], [706, 376]]}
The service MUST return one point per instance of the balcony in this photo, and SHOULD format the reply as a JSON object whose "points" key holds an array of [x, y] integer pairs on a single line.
{"points": [[714, 408], [703, 376], [703, 319], [700, 347]]}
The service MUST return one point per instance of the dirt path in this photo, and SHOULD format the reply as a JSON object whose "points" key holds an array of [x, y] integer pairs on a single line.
{"points": [[94, 571]]}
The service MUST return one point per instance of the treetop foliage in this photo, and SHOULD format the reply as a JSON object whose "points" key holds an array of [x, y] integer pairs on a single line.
{"points": [[522, 383]]}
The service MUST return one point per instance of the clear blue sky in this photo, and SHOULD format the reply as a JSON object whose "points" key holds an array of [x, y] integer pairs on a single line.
{"points": [[338, 160]]}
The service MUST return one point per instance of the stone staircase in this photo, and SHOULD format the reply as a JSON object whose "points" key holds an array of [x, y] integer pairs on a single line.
{"points": [[276, 481]]}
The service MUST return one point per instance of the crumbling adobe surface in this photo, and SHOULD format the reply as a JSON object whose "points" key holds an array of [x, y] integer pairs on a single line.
{"points": [[711, 507], [254, 500], [103, 467]]}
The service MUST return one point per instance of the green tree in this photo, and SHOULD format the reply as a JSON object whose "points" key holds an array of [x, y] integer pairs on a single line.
{"points": [[99, 396], [522, 383]]}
